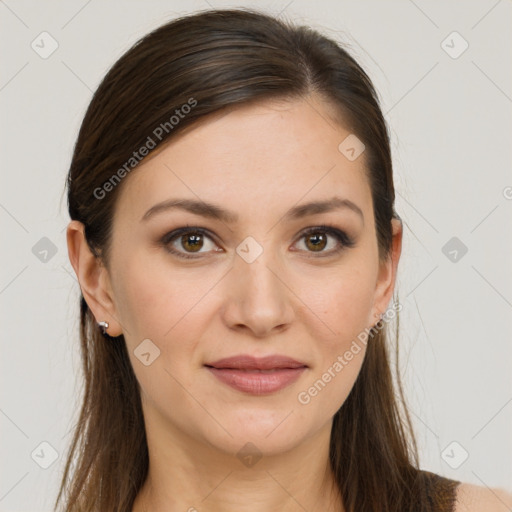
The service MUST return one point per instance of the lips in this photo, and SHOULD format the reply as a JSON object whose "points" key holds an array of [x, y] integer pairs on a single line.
{"points": [[257, 376], [247, 362]]}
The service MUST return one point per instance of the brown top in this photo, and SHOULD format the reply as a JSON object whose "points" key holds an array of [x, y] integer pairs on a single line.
{"points": [[441, 492]]}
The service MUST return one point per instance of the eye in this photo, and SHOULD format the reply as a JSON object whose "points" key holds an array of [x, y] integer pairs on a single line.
{"points": [[189, 238], [187, 241], [317, 238]]}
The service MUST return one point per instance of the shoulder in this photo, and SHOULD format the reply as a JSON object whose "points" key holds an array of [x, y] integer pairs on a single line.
{"points": [[475, 498]]}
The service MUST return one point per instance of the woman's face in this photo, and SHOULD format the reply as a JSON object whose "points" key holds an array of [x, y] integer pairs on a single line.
{"points": [[251, 282]]}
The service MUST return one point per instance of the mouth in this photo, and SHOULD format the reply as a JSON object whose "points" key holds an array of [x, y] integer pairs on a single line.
{"points": [[257, 376], [247, 362]]}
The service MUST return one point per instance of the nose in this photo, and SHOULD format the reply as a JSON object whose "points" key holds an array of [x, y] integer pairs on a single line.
{"points": [[258, 298]]}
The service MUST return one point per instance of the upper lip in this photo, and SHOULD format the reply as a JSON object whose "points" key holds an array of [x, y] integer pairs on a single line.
{"points": [[247, 362]]}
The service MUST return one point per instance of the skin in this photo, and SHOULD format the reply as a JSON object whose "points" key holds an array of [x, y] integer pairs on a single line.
{"points": [[258, 161], [475, 498]]}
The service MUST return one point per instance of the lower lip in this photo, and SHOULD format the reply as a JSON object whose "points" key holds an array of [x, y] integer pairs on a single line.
{"points": [[256, 382]]}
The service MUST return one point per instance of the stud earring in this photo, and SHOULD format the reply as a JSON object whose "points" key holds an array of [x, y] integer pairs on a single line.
{"points": [[103, 326]]}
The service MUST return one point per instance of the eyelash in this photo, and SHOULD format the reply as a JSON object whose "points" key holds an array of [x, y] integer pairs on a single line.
{"points": [[341, 236]]}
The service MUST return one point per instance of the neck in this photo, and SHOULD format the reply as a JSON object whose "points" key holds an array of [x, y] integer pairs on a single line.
{"points": [[186, 475]]}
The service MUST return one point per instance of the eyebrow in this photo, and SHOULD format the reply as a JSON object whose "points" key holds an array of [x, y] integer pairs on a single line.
{"points": [[216, 212]]}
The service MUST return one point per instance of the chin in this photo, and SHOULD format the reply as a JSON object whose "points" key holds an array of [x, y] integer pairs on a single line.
{"points": [[267, 433]]}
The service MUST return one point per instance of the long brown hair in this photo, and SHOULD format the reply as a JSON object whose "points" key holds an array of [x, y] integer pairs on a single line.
{"points": [[218, 59]]}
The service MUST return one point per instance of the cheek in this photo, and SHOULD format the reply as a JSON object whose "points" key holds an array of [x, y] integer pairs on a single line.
{"points": [[351, 304], [344, 307], [154, 297], [345, 301], [158, 303]]}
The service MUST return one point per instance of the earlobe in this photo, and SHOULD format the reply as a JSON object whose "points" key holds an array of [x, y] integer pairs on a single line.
{"points": [[388, 271], [93, 278]]}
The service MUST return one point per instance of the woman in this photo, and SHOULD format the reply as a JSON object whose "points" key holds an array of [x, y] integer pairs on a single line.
{"points": [[234, 235]]}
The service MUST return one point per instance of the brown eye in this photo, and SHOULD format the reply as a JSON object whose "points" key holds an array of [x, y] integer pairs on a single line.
{"points": [[316, 241], [185, 242], [192, 242]]}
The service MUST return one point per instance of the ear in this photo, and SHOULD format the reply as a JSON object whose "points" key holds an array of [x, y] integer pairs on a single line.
{"points": [[93, 278], [387, 272]]}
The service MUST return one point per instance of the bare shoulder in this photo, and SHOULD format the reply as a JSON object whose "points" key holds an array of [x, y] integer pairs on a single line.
{"points": [[476, 498]]}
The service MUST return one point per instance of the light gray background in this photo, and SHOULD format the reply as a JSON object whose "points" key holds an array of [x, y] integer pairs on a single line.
{"points": [[451, 127]]}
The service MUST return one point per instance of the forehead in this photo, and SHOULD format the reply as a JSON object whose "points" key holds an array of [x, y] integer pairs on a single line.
{"points": [[254, 158]]}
